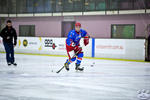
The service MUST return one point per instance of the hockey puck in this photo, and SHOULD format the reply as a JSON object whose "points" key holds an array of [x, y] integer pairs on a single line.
{"points": [[92, 65]]}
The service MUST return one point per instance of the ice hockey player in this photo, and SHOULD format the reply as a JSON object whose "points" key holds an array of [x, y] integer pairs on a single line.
{"points": [[73, 48]]}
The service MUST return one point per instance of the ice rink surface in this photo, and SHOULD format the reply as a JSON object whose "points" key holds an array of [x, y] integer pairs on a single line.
{"points": [[35, 79]]}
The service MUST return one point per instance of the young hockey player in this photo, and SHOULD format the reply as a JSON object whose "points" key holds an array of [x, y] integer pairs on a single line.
{"points": [[73, 48]]}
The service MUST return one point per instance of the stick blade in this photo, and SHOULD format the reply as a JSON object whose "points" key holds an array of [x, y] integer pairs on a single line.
{"points": [[60, 70]]}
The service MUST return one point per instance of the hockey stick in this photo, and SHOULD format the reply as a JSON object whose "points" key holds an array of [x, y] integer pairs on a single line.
{"points": [[67, 62]]}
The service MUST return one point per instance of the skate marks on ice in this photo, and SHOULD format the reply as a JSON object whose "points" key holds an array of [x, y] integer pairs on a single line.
{"points": [[33, 79]]}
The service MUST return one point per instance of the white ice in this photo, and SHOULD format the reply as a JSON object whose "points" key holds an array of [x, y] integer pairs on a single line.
{"points": [[35, 78]]}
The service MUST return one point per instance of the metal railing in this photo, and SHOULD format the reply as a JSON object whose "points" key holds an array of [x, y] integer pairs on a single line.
{"points": [[52, 6]]}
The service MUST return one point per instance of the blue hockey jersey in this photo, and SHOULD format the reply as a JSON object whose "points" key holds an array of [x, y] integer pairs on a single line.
{"points": [[75, 37]]}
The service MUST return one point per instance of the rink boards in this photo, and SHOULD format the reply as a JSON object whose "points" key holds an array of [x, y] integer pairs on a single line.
{"points": [[133, 49]]}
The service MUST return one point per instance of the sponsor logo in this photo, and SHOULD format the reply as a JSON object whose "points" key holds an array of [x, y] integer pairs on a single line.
{"points": [[49, 43], [33, 43], [61, 47], [25, 43], [109, 47]]}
